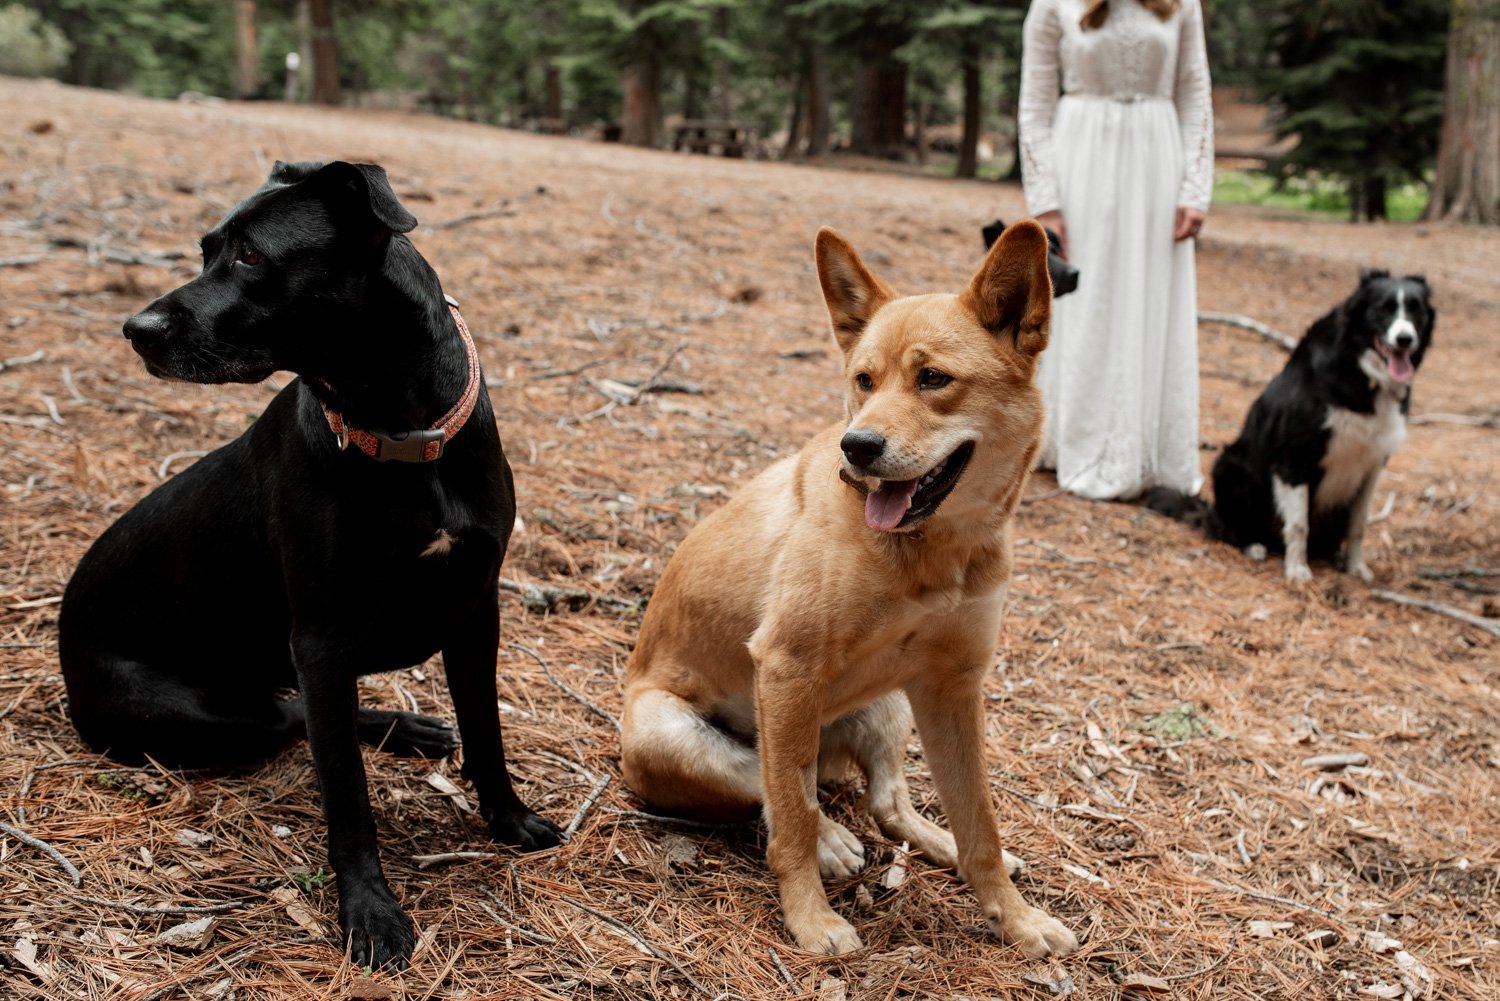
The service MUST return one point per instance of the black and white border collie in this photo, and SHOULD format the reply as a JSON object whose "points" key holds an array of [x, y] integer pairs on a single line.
{"points": [[1300, 477]]}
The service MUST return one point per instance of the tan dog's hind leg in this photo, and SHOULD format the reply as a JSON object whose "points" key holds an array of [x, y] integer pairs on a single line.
{"points": [[875, 738], [678, 761], [949, 714]]}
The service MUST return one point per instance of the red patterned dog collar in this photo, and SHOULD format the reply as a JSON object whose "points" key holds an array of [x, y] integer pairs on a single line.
{"points": [[414, 446]]}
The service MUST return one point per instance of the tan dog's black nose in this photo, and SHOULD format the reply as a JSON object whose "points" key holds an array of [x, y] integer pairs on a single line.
{"points": [[862, 446]]}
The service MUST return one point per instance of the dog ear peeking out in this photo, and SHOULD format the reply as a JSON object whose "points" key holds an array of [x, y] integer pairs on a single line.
{"points": [[1063, 274]]}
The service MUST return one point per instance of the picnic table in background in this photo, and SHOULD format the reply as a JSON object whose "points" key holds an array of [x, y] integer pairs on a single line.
{"points": [[703, 135]]}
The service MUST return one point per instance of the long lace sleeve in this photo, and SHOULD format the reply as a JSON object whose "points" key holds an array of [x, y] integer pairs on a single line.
{"points": [[1038, 104], [1195, 111]]}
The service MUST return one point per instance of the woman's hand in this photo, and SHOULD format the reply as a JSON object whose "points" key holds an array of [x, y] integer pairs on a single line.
{"points": [[1054, 221], [1188, 223]]}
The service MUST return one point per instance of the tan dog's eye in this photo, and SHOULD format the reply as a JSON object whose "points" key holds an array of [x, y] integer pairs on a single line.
{"points": [[931, 378], [863, 381]]}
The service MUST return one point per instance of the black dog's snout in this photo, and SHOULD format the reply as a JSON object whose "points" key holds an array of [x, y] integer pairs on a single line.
{"points": [[862, 446], [147, 327]]}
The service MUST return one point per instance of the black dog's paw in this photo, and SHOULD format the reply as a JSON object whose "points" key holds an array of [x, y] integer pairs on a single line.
{"points": [[528, 831], [378, 932], [407, 735]]}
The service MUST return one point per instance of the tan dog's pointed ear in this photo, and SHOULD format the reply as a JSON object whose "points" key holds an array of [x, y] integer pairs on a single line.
{"points": [[852, 293], [1012, 293]]}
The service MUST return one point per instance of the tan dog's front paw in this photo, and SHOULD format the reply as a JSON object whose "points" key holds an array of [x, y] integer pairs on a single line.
{"points": [[840, 855], [1035, 932], [826, 933]]}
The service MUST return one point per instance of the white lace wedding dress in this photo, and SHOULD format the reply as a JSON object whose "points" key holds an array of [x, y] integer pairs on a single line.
{"points": [[1129, 140]]}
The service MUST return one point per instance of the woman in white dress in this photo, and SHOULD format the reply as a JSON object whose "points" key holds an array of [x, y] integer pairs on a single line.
{"points": [[1121, 166]]}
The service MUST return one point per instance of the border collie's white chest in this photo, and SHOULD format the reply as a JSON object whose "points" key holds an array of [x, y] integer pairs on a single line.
{"points": [[1358, 446]]}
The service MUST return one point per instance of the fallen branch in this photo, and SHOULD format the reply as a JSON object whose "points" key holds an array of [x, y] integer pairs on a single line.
{"points": [[575, 696], [1254, 326], [168, 909], [20, 262], [42, 846], [464, 220], [1488, 625], [513, 923], [586, 806], [1271, 898], [1467, 420], [32, 358], [641, 941], [786, 974], [428, 861], [545, 597]]}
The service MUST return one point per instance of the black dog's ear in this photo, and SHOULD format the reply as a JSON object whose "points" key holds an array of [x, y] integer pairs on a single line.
{"points": [[368, 185], [992, 232], [1367, 275], [290, 173]]}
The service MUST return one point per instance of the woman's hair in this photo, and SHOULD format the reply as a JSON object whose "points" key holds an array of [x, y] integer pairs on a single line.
{"points": [[1097, 11]]}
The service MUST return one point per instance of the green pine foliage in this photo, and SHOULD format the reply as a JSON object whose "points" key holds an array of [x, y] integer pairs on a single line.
{"points": [[1360, 84], [29, 46]]}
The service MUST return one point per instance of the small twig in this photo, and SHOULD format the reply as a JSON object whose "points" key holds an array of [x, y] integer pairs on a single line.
{"points": [[640, 940], [586, 806], [1488, 421], [1488, 625], [467, 218], [166, 464], [1075, 560], [558, 373], [1284, 901], [30, 359], [564, 685], [20, 262], [1245, 856], [40, 845], [428, 861], [1211, 967], [513, 919], [548, 596], [660, 818], [786, 974], [1385, 510], [142, 909], [1437, 574], [1255, 326], [1048, 495]]}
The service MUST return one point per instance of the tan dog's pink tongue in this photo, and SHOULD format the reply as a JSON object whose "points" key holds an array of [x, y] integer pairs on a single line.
{"points": [[884, 508]]}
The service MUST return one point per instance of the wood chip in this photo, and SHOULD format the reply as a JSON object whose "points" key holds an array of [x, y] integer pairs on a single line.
{"points": [[1140, 983], [190, 936], [1333, 762]]}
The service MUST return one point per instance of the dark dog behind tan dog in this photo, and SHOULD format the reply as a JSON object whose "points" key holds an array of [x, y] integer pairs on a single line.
{"points": [[855, 585]]}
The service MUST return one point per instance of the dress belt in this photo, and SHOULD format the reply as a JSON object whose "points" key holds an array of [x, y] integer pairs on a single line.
{"points": [[1120, 97]]}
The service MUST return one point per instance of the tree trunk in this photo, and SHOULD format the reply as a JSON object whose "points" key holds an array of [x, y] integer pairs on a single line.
{"points": [[554, 95], [640, 123], [1466, 187], [246, 53], [919, 129], [325, 54], [795, 129], [878, 122], [819, 120], [723, 72], [968, 145]]}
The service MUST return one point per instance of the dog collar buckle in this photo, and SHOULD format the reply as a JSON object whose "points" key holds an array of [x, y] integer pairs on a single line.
{"points": [[409, 446], [341, 435]]}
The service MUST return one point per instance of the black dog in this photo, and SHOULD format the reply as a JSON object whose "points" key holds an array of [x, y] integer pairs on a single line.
{"points": [[287, 559], [1064, 276], [1300, 477]]}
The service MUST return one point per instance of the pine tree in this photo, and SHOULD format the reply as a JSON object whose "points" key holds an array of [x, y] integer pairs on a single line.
{"points": [[1360, 86]]}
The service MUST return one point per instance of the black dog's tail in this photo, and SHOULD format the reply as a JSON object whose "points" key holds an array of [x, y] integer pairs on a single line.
{"points": [[1189, 510]]}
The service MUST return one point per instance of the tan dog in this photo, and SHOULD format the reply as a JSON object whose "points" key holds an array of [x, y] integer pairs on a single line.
{"points": [[866, 571]]}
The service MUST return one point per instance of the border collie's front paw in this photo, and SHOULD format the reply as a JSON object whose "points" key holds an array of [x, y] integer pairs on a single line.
{"points": [[1298, 573], [1360, 570], [377, 931], [523, 829]]}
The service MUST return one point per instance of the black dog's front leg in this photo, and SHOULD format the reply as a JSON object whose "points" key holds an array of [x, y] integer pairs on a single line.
{"points": [[377, 931], [469, 661]]}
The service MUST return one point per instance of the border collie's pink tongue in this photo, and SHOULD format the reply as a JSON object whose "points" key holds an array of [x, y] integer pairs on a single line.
{"points": [[1400, 367], [885, 507]]}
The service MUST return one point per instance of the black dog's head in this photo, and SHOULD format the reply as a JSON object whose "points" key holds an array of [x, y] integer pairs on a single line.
{"points": [[1064, 276], [1388, 324], [281, 268]]}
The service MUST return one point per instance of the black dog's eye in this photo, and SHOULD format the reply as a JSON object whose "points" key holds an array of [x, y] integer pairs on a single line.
{"points": [[931, 378], [863, 381], [250, 257]]}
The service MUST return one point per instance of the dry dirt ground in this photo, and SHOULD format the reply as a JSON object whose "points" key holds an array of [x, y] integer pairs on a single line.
{"points": [[1154, 701]]}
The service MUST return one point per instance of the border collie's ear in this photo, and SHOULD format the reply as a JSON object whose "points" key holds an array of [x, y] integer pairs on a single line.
{"points": [[367, 183], [1012, 290], [992, 232], [1420, 280], [852, 293], [1367, 275]]}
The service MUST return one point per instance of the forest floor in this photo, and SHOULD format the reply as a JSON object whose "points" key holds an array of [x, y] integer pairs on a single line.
{"points": [[1155, 699]]}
